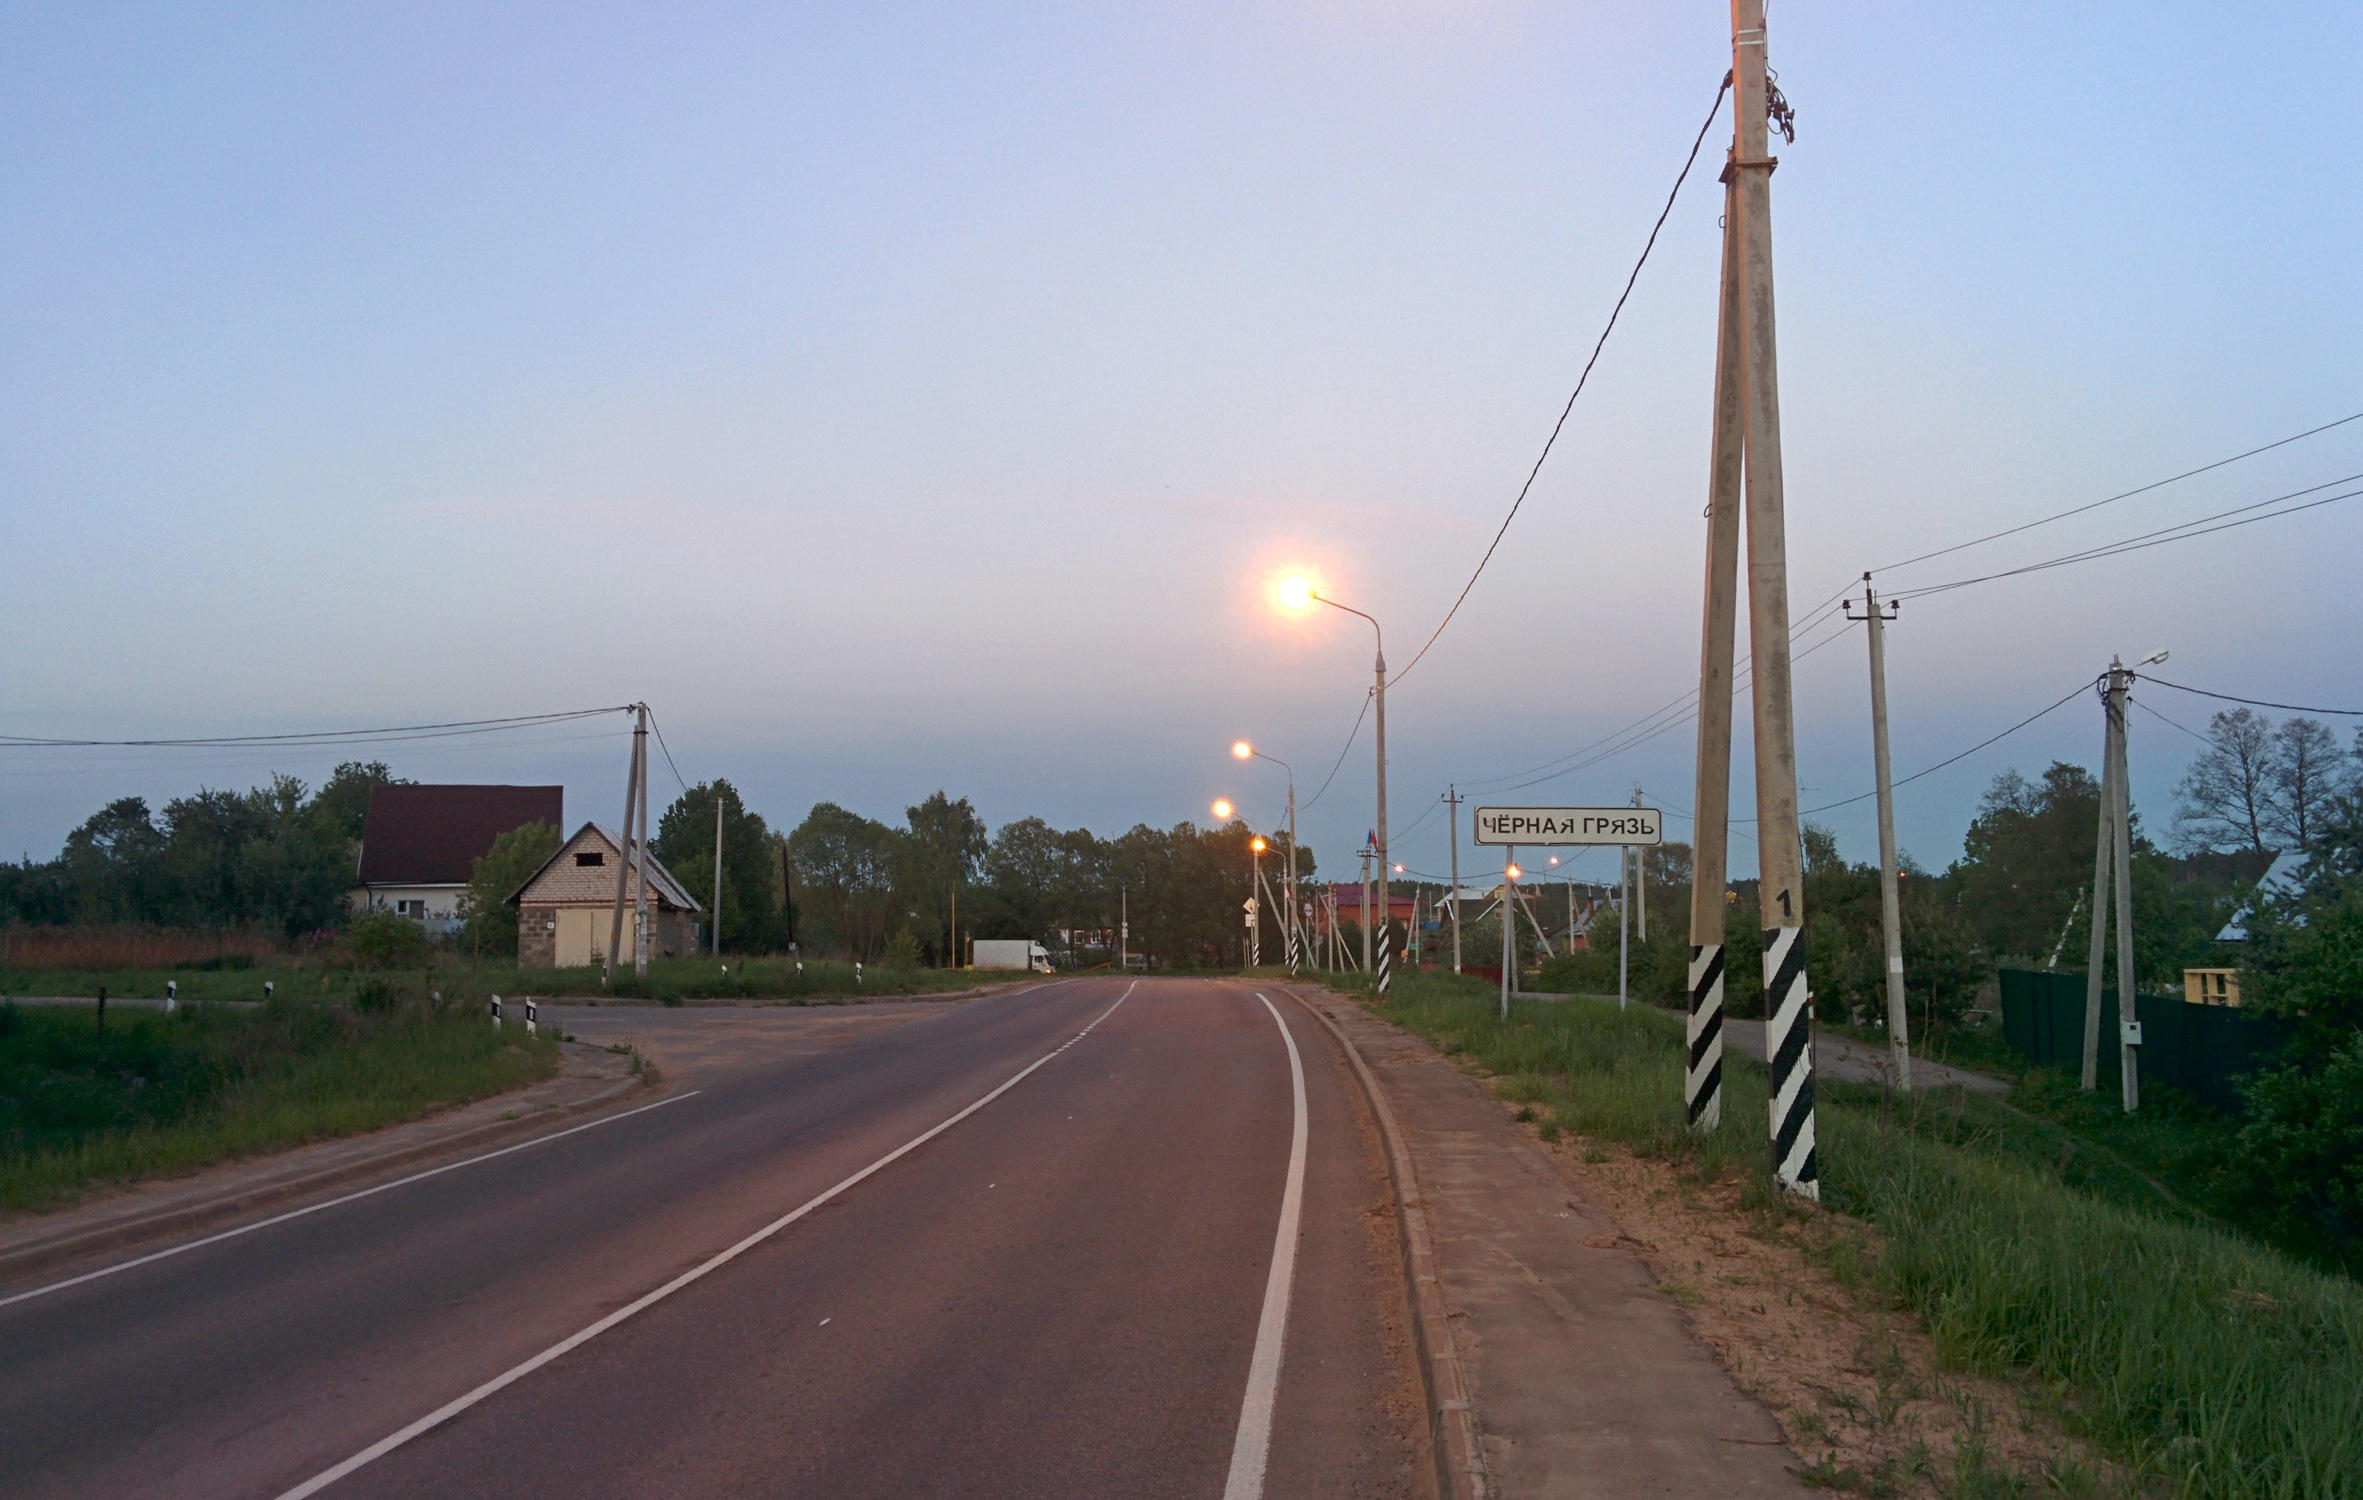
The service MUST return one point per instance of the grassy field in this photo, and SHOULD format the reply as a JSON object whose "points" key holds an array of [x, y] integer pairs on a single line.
{"points": [[154, 1093], [457, 980], [2211, 1366]]}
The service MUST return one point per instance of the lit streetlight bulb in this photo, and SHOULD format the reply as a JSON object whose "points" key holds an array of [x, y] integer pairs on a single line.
{"points": [[1257, 844], [1398, 869], [1554, 859], [1515, 872], [1295, 593], [1222, 809], [1242, 749]]}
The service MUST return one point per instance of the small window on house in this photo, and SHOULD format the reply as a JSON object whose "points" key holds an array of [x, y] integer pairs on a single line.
{"points": [[590, 859]]}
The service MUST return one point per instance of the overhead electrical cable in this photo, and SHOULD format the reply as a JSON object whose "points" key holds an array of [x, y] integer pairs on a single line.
{"points": [[2291, 708], [1341, 754], [1602, 343], [661, 745], [2125, 495], [320, 737], [2073, 693], [2169, 723], [2179, 533]]}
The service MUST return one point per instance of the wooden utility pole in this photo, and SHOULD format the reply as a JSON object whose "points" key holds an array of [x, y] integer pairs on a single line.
{"points": [[623, 850], [1747, 320]]}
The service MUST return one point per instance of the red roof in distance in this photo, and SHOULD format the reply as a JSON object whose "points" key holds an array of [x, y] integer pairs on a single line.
{"points": [[433, 835]]}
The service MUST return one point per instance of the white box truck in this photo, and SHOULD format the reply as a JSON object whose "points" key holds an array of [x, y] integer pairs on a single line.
{"points": [[1011, 953]]}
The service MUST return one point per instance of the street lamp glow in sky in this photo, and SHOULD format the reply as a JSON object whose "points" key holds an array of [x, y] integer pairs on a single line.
{"points": [[1222, 808]]}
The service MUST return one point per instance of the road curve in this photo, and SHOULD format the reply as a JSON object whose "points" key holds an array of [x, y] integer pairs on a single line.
{"points": [[1057, 1293]]}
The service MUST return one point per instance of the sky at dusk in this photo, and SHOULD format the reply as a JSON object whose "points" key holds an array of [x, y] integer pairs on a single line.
{"points": [[930, 396]]}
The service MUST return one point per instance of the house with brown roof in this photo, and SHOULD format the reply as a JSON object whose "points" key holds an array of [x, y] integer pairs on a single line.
{"points": [[566, 909], [419, 844]]}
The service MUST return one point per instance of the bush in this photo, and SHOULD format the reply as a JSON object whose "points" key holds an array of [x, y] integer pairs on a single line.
{"points": [[385, 940], [2302, 1151], [902, 951]]}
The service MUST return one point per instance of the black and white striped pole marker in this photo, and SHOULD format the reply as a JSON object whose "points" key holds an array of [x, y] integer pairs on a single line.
{"points": [[496, 1012], [172, 994], [1386, 944], [532, 1016], [1702, 1081], [1788, 1047]]}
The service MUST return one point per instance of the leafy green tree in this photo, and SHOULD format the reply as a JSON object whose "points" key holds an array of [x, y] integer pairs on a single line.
{"points": [[2027, 858], [491, 923], [845, 873], [752, 918], [2302, 1142]]}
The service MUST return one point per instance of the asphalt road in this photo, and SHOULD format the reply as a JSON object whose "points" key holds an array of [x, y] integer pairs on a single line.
{"points": [[1061, 1292]]}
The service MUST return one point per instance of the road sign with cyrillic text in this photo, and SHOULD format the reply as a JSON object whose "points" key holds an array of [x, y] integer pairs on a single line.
{"points": [[1542, 826]]}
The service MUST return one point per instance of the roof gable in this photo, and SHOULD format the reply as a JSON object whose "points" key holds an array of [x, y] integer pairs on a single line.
{"points": [[563, 881], [433, 835]]}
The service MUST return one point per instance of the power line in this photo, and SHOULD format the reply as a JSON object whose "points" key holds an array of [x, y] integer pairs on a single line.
{"points": [[1341, 754], [2293, 708], [2113, 499], [2169, 723], [2159, 538], [321, 737], [661, 745], [2073, 693], [1602, 343]]}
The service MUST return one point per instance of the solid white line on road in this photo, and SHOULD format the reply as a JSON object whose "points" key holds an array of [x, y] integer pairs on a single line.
{"points": [[383, 1187], [450, 1409], [1253, 1447]]}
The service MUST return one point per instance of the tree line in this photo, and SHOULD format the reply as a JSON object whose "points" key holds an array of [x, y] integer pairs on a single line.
{"points": [[283, 858]]}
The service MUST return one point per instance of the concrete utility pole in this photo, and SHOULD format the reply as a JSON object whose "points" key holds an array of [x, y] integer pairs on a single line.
{"points": [[1899, 1048], [1367, 846], [1386, 926], [1747, 320], [1702, 1084], [1454, 816], [2113, 853], [623, 852], [1123, 929], [717, 869], [640, 871]]}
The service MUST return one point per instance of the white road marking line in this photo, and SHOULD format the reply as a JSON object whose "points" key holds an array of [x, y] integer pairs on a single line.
{"points": [[1253, 1447], [383, 1187], [507, 1378]]}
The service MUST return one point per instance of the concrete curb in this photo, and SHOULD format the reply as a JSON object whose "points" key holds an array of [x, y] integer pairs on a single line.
{"points": [[138, 1231], [1452, 1422]]}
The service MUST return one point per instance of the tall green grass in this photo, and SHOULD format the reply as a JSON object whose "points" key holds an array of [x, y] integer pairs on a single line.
{"points": [[762, 978], [2204, 1362], [154, 1093]]}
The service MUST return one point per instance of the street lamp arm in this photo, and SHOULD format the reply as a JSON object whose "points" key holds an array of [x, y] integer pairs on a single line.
{"points": [[1349, 609]]}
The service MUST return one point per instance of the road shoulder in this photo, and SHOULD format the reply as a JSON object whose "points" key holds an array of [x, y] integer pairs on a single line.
{"points": [[1583, 1377], [590, 1079]]}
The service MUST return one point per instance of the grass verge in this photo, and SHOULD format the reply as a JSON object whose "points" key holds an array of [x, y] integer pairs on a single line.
{"points": [[2208, 1365], [456, 981], [154, 1093]]}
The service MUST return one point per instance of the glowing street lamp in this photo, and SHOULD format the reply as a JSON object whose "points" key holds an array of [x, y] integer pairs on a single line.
{"points": [[1242, 750], [1222, 809], [1296, 594]]}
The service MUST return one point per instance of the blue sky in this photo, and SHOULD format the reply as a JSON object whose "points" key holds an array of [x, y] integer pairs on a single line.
{"points": [[927, 398]]}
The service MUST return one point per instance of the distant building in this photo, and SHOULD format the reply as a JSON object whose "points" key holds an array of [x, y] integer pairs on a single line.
{"points": [[419, 844], [566, 909]]}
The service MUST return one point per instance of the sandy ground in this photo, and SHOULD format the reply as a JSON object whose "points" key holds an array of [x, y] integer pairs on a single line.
{"points": [[1857, 1387]]}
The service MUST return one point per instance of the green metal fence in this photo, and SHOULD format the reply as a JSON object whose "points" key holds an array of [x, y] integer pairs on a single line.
{"points": [[2203, 1050]]}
